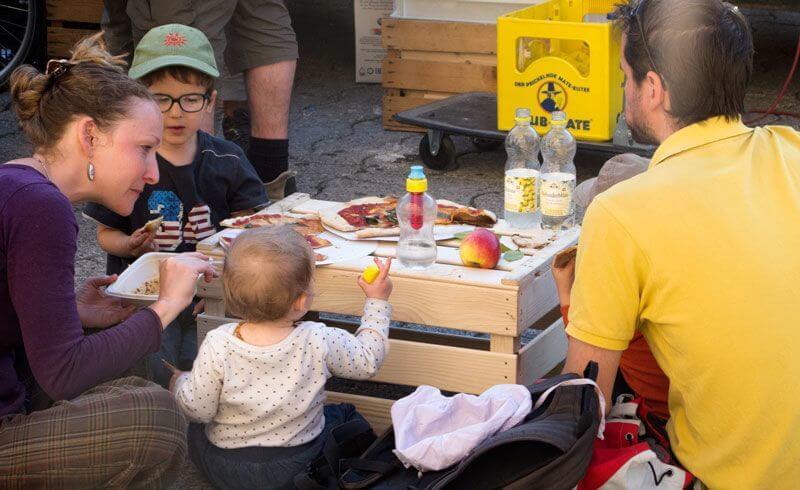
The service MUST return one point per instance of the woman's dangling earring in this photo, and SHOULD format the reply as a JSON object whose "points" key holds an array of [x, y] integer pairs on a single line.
{"points": [[90, 171]]}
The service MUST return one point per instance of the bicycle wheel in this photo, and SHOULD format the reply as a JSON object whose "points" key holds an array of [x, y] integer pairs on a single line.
{"points": [[19, 20]]}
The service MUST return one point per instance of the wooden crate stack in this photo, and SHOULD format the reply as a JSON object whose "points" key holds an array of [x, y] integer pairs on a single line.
{"points": [[68, 21], [431, 60]]}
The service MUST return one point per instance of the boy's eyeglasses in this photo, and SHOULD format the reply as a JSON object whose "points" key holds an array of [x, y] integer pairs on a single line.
{"points": [[637, 13], [187, 102]]}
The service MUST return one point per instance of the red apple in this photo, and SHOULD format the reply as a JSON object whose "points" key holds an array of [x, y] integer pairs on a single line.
{"points": [[481, 248]]}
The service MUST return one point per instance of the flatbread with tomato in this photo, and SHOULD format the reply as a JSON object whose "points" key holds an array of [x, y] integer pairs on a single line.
{"points": [[372, 217], [308, 226]]}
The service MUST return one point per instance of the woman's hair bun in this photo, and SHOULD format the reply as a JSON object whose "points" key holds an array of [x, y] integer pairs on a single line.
{"points": [[92, 82]]}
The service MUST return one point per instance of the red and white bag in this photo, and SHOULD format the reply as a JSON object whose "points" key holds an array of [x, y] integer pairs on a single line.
{"points": [[622, 461]]}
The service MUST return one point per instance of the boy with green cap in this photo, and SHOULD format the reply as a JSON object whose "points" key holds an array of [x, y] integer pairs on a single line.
{"points": [[203, 179]]}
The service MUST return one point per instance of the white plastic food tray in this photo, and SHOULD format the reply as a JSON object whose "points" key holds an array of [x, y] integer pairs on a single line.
{"points": [[142, 270]]}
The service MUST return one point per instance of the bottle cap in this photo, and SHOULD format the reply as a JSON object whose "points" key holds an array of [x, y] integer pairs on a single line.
{"points": [[371, 273], [558, 118], [417, 182], [522, 115]]}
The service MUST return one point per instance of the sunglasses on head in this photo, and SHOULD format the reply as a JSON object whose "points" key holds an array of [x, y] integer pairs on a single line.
{"points": [[637, 13]]}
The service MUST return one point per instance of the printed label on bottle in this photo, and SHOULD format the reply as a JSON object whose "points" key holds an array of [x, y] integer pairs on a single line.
{"points": [[520, 194], [556, 198]]}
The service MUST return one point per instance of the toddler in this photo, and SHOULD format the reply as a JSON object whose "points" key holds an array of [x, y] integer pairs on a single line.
{"points": [[258, 386]]}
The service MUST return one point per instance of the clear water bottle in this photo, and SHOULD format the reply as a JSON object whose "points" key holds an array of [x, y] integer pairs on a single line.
{"points": [[558, 175], [522, 172], [416, 213]]}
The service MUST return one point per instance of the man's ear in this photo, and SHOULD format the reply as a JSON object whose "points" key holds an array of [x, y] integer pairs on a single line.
{"points": [[655, 92]]}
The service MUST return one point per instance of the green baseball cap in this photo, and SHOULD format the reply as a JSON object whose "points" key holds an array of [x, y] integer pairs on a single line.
{"points": [[173, 45]]}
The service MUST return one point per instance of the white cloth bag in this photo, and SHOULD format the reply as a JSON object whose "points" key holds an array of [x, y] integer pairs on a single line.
{"points": [[433, 432]]}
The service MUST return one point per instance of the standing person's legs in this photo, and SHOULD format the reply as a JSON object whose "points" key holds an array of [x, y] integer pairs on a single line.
{"points": [[262, 43], [116, 27], [127, 432]]}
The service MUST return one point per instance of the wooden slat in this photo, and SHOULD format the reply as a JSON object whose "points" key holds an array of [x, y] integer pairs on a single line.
{"points": [[377, 411], [439, 76], [536, 298], [504, 344], [89, 11], [393, 105], [431, 35], [396, 100], [417, 363], [60, 40], [443, 57], [542, 354], [414, 300], [424, 301], [447, 368]]}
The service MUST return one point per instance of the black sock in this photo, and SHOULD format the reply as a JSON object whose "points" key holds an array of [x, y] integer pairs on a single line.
{"points": [[270, 158]]}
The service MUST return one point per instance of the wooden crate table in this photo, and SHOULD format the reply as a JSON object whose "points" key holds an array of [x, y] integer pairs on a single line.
{"points": [[500, 303]]}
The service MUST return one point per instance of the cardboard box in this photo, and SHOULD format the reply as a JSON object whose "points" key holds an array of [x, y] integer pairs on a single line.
{"points": [[369, 51]]}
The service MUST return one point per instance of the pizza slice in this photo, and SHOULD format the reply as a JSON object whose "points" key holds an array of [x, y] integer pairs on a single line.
{"points": [[308, 226], [449, 212], [317, 241], [359, 214]]}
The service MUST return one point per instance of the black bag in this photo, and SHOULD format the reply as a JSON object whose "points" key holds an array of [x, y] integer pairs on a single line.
{"points": [[345, 441], [550, 449]]}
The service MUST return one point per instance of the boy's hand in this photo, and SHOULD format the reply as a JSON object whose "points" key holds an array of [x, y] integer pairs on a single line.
{"points": [[564, 275], [141, 242], [381, 287]]}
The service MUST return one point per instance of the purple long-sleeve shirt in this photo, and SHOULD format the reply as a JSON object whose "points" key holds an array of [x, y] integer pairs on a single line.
{"points": [[40, 332]]}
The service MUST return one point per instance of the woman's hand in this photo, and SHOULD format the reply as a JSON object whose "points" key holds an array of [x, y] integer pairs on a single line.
{"points": [[177, 280], [96, 309], [141, 242]]}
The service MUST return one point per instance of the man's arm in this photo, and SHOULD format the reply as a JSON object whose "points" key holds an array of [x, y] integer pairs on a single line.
{"points": [[579, 354]]}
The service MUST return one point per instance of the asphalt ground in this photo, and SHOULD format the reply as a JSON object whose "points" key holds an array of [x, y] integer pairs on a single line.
{"points": [[340, 151]]}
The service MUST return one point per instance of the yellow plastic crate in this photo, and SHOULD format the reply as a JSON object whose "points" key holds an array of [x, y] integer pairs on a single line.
{"points": [[560, 55]]}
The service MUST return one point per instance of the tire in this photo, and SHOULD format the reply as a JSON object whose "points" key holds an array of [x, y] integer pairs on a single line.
{"points": [[21, 36], [444, 159], [485, 144]]}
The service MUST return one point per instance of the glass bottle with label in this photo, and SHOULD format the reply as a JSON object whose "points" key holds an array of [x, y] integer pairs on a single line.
{"points": [[522, 172], [558, 175]]}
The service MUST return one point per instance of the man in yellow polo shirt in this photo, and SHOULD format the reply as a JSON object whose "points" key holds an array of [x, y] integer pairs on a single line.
{"points": [[701, 253]]}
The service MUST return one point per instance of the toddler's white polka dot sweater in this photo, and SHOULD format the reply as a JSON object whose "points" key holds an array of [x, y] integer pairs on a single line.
{"points": [[273, 395]]}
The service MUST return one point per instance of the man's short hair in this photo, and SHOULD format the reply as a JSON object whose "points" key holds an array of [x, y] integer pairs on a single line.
{"points": [[265, 271], [701, 49]]}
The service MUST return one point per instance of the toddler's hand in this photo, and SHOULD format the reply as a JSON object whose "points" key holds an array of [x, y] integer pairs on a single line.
{"points": [[141, 242], [381, 287]]}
